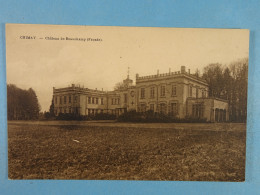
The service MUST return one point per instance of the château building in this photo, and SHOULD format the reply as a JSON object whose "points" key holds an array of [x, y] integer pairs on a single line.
{"points": [[180, 94]]}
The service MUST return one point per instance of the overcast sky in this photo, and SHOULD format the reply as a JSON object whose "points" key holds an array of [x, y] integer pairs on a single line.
{"points": [[43, 64]]}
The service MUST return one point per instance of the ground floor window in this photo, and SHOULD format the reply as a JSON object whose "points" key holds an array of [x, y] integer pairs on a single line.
{"points": [[162, 108], [152, 107], [174, 109], [220, 115], [142, 108], [198, 110]]}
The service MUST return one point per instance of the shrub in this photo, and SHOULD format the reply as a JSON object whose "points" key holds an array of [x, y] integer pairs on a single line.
{"points": [[69, 116], [154, 117]]}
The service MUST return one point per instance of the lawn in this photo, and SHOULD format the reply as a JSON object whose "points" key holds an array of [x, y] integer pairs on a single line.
{"points": [[120, 151]]}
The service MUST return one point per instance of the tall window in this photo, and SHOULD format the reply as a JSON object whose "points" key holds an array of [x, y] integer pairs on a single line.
{"points": [[69, 99], [174, 108], [93, 100], [142, 93], [162, 90], [152, 107], [65, 99], [89, 100], [197, 92], [174, 90], [60, 99], [75, 99], [125, 98], [102, 101], [56, 100], [112, 101], [197, 110], [162, 108], [118, 101], [203, 93], [152, 92], [96, 100], [142, 108], [190, 92]]}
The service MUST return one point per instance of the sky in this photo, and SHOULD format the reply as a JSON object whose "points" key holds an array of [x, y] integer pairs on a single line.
{"points": [[36, 59]]}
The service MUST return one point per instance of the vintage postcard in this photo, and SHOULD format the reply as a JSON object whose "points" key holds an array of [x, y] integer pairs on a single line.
{"points": [[126, 103]]}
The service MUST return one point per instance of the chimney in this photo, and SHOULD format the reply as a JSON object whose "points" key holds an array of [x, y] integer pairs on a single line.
{"points": [[189, 71], [157, 72], [183, 69], [169, 70], [137, 76]]}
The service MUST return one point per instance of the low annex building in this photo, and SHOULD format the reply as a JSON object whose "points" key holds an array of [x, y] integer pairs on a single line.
{"points": [[179, 94]]}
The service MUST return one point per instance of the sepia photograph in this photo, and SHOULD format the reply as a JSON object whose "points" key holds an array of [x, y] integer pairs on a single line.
{"points": [[126, 103]]}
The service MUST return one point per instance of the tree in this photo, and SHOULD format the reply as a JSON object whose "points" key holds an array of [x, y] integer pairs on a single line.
{"points": [[213, 74], [230, 83], [120, 86], [51, 110], [22, 104]]}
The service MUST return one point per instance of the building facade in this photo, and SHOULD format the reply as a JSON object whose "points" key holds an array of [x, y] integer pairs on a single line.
{"points": [[179, 94]]}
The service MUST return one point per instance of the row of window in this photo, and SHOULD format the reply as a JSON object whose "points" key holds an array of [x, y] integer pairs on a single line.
{"points": [[162, 91], [115, 101], [162, 108], [65, 99], [63, 110], [203, 93], [93, 100], [94, 111]]}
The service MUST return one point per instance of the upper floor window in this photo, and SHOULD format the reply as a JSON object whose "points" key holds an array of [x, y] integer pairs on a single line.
{"points": [[89, 100], [174, 90], [93, 100], [197, 92], [69, 99], [65, 99], [152, 92], [102, 102], [142, 93], [60, 99], [203, 93], [162, 90], [96, 100], [75, 99], [190, 91], [118, 101]]}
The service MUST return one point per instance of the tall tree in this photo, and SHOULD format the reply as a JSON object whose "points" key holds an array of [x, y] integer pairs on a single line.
{"points": [[230, 83], [22, 104], [51, 110]]}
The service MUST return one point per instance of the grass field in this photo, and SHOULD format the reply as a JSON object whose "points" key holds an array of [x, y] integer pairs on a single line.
{"points": [[120, 151]]}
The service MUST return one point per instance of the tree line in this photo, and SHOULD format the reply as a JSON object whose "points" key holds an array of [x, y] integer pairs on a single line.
{"points": [[22, 104], [229, 83]]}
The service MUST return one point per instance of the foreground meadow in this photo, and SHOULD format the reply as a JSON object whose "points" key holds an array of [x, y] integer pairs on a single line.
{"points": [[201, 152]]}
